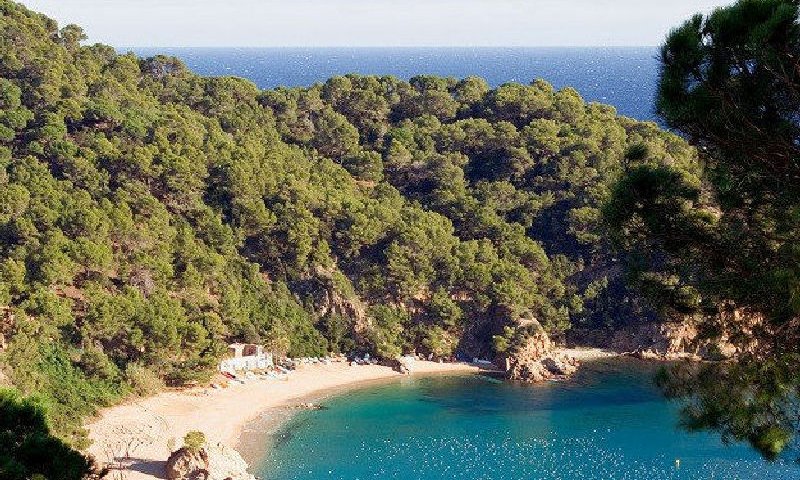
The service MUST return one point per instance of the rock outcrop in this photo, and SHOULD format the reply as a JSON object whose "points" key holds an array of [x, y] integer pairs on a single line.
{"points": [[532, 356], [332, 294], [400, 365], [723, 336], [210, 462], [187, 464]]}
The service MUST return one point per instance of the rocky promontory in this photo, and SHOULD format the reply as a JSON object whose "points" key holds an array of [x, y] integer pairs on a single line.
{"points": [[532, 357]]}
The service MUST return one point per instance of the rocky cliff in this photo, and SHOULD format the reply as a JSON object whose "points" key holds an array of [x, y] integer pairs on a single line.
{"points": [[727, 334]]}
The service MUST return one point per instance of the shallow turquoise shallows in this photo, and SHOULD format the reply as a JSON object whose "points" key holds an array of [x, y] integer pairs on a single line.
{"points": [[609, 424]]}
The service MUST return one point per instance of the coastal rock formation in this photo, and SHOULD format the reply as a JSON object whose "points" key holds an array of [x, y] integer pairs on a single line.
{"points": [[401, 365], [211, 462], [725, 335], [533, 357], [657, 341], [332, 294], [187, 464], [560, 364]]}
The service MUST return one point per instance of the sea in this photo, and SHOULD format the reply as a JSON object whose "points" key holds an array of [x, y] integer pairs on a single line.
{"points": [[624, 77], [610, 423]]}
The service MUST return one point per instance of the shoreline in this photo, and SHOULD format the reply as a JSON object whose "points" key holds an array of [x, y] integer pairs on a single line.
{"points": [[147, 429], [253, 443], [137, 436]]}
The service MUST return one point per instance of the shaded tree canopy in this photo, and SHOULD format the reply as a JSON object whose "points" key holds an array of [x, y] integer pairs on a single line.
{"points": [[27, 447], [727, 238]]}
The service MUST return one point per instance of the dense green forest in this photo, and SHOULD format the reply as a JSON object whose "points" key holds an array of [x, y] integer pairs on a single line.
{"points": [[150, 215]]}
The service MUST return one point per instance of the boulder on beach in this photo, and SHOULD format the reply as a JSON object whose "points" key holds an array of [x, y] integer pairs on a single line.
{"points": [[209, 462], [560, 364], [187, 464], [402, 365]]}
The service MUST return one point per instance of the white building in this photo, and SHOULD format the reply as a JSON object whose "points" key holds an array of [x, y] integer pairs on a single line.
{"points": [[246, 357]]}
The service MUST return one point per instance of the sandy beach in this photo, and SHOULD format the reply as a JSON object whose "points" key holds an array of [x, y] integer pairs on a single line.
{"points": [[136, 437], [146, 430]]}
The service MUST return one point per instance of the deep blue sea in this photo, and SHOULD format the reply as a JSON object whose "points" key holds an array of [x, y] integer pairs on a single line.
{"points": [[611, 425], [623, 77]]}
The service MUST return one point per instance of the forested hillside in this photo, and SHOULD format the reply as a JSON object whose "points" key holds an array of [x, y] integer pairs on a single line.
{"points": [[148, 216]]}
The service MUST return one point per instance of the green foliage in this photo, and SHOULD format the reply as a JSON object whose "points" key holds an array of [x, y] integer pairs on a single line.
{"points": [[502, 342], [721, 85], [439, 342], [444, 310], [386, 336], [745, 401], [28, 449], [194, 440], [365, 165], [338, 331], [142, 380]]}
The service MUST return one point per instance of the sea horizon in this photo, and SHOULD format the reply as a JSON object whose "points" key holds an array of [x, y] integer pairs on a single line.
{"points": [[622, 76]]}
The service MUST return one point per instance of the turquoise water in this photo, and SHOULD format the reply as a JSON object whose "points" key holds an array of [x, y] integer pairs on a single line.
{"points": [[607, 425]]}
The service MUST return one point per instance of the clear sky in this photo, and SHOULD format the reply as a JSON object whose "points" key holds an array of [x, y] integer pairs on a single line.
{"points": [[162, 23]]}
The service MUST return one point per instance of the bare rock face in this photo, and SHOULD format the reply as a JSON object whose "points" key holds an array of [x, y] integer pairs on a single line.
{"points": [[560, 364], [726, 335], [533, 357], [211, 462], [225, 462], [655, 341], [331, 294], [186, 464], [732, 336]]}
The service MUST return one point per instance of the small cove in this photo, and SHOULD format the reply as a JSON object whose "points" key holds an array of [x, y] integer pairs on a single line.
{"points": [[609, 423]]}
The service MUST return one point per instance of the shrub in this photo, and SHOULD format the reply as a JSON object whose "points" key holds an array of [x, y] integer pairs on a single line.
{"points": [[142, 380], [194, 440]]}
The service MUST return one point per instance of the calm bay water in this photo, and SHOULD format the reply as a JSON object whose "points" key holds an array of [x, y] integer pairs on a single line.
{"points": [[610, 425], [623, 77]]}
